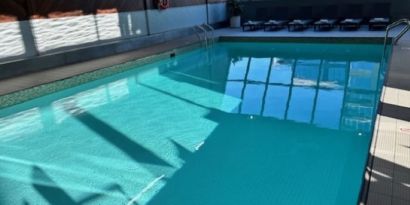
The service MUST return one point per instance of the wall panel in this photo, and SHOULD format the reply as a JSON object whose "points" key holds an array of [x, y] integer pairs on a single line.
{"points": [[217, 12], [35, 27], [174, 18]]}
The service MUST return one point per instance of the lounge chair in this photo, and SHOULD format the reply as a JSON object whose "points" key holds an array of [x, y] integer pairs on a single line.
{"points": [[378, 23], [382, 12], [274, 25], [278, 16], [324, 24], [350, 23], [353, 16], [252, 25], [299, 24]]}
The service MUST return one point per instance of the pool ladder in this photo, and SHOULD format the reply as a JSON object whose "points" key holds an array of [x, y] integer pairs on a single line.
{"points": [[398, 37], [208, 34], [208, 39]]}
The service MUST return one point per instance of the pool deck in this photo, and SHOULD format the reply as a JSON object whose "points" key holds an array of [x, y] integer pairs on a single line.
{"points": [[388, 173], [390, 169]]}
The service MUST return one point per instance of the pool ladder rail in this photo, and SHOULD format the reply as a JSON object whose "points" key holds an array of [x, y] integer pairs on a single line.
{"points": [[208, 39], [208, 34], [398, 37]]}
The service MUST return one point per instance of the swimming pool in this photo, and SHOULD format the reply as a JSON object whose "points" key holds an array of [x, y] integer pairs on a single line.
{"points": [[248, 123]]}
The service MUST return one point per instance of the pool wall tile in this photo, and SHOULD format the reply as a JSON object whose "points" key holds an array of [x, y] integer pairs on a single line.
{"points": [[45, 89]]}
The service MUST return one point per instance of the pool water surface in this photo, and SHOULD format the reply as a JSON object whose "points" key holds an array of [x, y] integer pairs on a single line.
{"points": [[245, 123]]}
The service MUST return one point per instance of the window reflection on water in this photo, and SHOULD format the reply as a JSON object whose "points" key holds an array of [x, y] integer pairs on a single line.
{"points": [[327, 93], [331, 94]]}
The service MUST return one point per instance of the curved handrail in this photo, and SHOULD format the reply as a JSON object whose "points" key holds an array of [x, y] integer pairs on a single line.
{"points": [[212, 31], [205, 34], [397, 38], [197, 33], [402, 32]]}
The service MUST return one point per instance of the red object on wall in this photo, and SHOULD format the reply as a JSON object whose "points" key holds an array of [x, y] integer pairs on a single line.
{"points": [[162, 4]]}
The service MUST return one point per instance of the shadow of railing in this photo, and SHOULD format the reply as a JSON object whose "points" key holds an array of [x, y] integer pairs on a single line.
{"points": [[55, 194], [49, 189], [389, 179], [257, 164], [135, 151]]}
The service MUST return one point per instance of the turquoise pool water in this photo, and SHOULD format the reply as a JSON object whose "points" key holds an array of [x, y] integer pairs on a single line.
{"points": [[249, 123]]}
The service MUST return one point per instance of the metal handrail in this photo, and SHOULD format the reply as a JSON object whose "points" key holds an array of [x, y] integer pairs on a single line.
{"points": [[212, 31], [206, 29], [402, 32], [205, 34], [197, 33]]}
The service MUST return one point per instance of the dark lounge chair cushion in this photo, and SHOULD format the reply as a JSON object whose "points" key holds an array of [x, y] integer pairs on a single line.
{"points": [[275, 22], [326, 22], [253, 23], [379, 20], [351, 21], [301, 22]]}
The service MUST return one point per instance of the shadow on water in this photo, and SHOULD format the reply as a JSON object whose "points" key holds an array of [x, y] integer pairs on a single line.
{"points": [[55, 194], [174, 96], [135, 151], [88, 199], [243, 161], [183, 153], [258, 165], [2, 196], [51, 191], [261, 160]]}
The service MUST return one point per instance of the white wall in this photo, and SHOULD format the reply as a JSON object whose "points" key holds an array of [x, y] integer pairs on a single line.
{"points": [[124, 25], [55, 33], [11, 40], [51, 34], [217, 12], [173, 18], [41, 36], [60, 33]]}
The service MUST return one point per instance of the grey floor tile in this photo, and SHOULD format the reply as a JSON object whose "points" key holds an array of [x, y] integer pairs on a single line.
{"points": [[401, 177], [397, 201], [381, 185], [401, 191], [378, 199]]}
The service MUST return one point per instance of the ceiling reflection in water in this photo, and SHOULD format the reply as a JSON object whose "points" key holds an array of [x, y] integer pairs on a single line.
{"points": [[326, 93]]}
